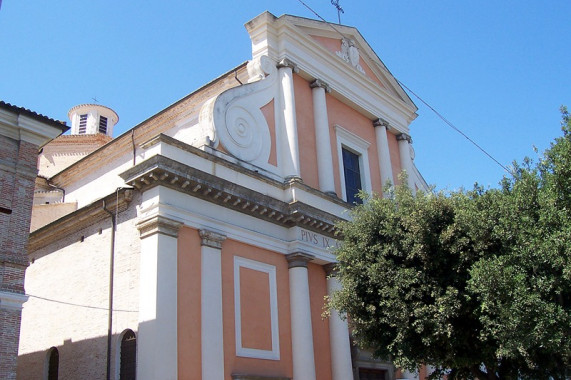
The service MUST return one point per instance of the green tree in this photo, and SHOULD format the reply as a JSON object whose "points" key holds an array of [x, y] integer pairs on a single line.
{"points": [[474, 283]]}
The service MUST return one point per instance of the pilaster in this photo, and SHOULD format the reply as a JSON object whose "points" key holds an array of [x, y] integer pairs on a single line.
{"points": [[157, 349], [212, 329]]}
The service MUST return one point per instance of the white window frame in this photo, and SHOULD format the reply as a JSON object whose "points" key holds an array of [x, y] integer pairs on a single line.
{"points": [[274, 353], [359, 146]]}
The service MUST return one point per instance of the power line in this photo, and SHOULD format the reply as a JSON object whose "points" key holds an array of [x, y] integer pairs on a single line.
{"points": [[449, 123], [79, 305]]}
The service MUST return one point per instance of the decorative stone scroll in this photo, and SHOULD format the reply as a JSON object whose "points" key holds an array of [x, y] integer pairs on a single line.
{"points": [[234, 117], [350, 54]]}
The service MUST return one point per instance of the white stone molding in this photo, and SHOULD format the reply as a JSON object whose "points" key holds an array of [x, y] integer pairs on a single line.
{"points": [[348, 140], [301, 330], [158, 224], [235, 120], [286, 120], [12, 301], [381, 129], [323, 138], [405, 153], [270, 270], [212, 328], [350, 54], [157, 331], [341, 364], [21, 127]]}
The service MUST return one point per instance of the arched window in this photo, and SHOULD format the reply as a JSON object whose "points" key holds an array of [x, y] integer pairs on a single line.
{"points": [[53, 363], [128, 358]]}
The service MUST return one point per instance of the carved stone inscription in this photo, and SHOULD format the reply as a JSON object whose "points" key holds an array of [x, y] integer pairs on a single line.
{"points": [[317, 239]]}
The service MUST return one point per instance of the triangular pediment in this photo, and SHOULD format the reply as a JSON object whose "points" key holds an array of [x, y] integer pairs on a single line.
{"points": [[341, 41], [339, 56]]}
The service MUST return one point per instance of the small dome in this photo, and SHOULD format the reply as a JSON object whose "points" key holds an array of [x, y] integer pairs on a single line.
{"points": [[90, 119]]}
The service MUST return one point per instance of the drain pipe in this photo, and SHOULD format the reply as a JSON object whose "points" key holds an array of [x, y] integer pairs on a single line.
{"points": [[111, 272], [111, 275], [57, 188]]}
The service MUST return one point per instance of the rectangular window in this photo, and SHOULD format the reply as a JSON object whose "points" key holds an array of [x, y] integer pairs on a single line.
{"points": [[103, 125], [82, 124], [352, 173], [372, 374], [353, 164]]}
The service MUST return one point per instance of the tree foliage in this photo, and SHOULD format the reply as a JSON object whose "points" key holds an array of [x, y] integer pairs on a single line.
{"points": [[474, 283]]}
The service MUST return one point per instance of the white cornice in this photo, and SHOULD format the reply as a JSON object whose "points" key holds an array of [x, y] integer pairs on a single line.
{"points": [[21, 127]]}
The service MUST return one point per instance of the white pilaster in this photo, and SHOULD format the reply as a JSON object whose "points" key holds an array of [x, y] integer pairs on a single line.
{"points": [[301, 330], [381, 128], [157, 335], [341, 364], [287, 116], [323, 139], [406, 159], [211, 306]]}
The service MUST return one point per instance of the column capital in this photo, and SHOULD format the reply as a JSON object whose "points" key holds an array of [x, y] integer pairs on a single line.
{"points": [[318, 83], [158, 224], [298, 259], [331, 269], [288, 63], [380, 122], [211, 239], [404, 136]]}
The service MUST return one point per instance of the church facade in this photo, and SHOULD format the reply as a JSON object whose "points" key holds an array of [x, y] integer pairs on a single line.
{"points": [[198, 245]]}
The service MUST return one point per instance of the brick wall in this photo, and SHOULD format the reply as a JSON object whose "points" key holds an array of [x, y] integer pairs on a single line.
{"points": [[17, 176]]}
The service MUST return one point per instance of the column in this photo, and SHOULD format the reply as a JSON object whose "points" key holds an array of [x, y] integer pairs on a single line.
{"points": [[341, 364], [406, 158], [288, 122], [381, 129], [323, 140], [157, 335], [212, 331], [301, 331]]}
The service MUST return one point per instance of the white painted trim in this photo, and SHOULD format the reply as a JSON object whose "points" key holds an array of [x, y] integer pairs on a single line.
{"points": [[12, 301], [346, 139], [274, 354]]}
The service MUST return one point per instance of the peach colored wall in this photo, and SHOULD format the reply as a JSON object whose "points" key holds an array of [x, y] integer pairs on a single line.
{"points": [[234, 364], [334, 45], [255, 309], [269, 114], [306, 131], [320, 325], [188, 318], [395, 156], [346, 117]]}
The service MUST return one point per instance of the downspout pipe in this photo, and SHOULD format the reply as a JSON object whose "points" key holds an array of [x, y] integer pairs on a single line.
{"points": [[57, 188], [111, 274]]}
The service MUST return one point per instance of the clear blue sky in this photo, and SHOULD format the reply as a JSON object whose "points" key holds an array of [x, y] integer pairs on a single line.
{"points": [[499, 70]]}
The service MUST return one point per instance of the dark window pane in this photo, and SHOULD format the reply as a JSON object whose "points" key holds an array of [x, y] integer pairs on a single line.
{"points": [[102, 124], [128, 369], [53, 366], [372, 374], [352, 175]]}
